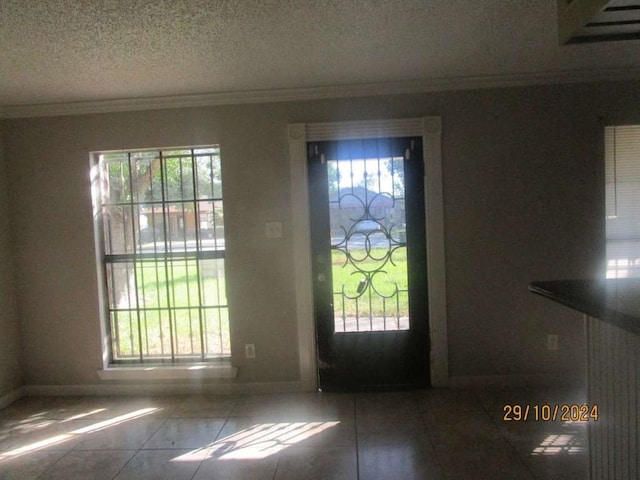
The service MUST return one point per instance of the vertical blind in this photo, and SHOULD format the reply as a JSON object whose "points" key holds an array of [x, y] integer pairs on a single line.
{"points": [[622, 177]]}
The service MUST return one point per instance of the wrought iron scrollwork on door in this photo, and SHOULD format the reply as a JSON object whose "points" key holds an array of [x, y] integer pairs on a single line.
{"points": [[369, 259]]}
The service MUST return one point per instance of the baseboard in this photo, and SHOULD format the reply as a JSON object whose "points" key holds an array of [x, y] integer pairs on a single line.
{"points": [[162, 389], [523, 381], [11, 397], [133, 389]]}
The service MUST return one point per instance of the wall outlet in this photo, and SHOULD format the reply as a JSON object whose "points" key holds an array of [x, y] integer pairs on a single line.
{"points": [[249, 350], [552, 342], [273, 229]]}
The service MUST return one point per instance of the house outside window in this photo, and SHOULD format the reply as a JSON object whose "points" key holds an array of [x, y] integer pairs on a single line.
{"points": [[160, 242]]}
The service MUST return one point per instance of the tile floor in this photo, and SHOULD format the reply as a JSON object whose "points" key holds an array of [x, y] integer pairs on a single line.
{"points": [[430, 434]]}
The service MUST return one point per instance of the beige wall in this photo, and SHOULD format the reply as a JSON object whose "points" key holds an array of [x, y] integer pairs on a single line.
{"points": [[10, 371], [523, 200]]}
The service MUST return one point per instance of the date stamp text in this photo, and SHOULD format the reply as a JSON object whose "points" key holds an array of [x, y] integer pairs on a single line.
{"points": [[550, 413]]}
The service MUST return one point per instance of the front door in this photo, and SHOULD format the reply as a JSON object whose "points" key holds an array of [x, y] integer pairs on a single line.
{"points": [[369, 263]]}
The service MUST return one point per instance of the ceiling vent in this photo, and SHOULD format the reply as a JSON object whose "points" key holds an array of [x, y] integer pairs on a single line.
{"points": [[582, 21]]}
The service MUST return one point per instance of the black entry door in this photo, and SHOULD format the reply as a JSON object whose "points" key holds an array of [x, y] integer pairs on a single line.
{"points": [[369, 263]]}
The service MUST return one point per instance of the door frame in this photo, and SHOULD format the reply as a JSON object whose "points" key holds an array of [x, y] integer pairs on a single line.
{"points": [[430, 129]]}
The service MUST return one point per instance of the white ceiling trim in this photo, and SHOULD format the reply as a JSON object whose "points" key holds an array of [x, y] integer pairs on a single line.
{"points": [[317, 93]]}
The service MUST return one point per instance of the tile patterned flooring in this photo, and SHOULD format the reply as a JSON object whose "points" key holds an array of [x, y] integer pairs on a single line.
{"points": [[429, 434]]}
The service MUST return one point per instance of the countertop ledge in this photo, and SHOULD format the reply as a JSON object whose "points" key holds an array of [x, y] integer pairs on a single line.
{"points": [[615, 301]]}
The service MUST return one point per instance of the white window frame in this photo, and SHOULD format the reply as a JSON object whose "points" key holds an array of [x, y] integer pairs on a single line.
{"points": [[430, 129]]}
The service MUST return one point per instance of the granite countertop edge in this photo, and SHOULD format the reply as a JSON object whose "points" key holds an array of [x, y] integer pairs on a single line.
{"points": [[614, 301]]}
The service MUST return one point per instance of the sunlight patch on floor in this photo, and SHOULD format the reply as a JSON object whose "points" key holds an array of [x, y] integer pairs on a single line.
{"points": [[63, 437], [559, 444], [83, 415], [259, 441], [114, 421]]}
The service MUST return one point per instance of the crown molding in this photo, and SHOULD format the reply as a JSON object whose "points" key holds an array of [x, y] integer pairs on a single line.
{"points": [[317, 93]]}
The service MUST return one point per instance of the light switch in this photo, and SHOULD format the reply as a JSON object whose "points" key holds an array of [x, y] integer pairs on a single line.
{"points": [[274, 229]]}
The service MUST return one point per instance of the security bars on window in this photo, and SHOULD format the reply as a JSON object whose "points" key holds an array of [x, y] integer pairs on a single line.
{"points": [[163, 248]]}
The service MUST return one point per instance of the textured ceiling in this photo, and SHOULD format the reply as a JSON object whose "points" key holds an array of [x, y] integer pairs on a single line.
{"points": [[55, 51]]}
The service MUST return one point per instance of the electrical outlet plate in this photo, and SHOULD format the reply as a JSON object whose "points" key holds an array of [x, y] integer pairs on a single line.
{"points": [[273, 229], [552, 342], [249, 350]]}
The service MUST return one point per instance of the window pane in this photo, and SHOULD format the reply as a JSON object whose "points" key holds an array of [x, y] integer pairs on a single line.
{"points": [[178, 178], [622, 181], [211, 223], [147, 178], [151, 284], [157, 334], [213, 282], [122, 286], [217, 339], [206, 151], [183, 283], [179, 221], [115, 178], [161, 219], [187, 322], [151, 237], [209, 182], [124, 331], [119, 227]]}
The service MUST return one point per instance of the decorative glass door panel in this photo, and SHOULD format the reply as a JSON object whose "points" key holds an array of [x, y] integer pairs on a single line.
{"points": [[368, 244]]}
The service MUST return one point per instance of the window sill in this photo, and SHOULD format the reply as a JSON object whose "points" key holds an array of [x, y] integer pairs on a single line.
{"points": [[173, 372]]}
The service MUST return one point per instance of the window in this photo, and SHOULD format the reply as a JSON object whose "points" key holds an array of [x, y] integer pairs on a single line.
{"points": [[161, 244], [622, 176]]}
